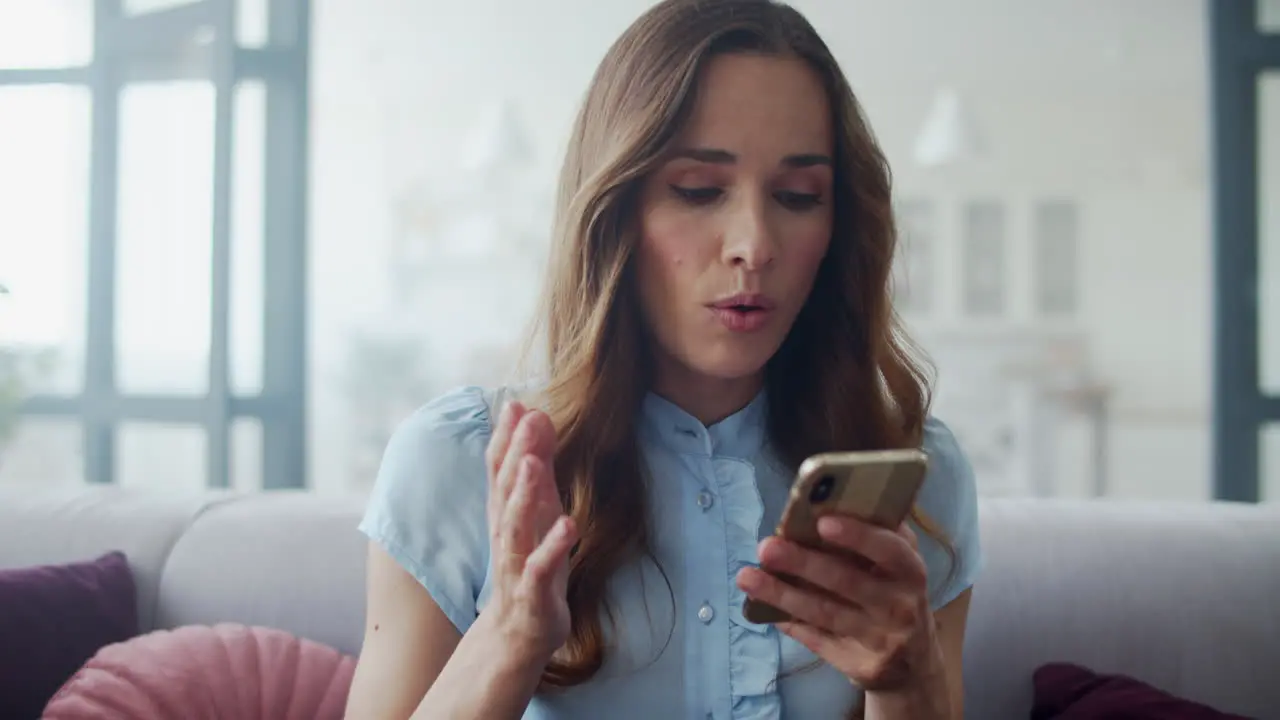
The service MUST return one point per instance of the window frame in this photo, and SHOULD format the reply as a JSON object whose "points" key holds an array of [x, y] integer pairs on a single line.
{"points": [[1239, 53], [156, 46]]}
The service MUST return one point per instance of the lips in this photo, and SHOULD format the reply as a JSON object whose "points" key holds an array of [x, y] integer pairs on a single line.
{"points": [[744, 302], [743, 312]]}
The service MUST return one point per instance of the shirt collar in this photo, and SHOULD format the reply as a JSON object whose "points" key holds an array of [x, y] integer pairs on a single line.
{"points": [[741, 435]]}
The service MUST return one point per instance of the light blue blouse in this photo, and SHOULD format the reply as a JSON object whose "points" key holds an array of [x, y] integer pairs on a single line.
{"points": [[716, 491]]}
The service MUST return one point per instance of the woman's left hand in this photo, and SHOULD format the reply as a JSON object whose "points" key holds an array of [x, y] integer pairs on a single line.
{"points": [[867, 614]]}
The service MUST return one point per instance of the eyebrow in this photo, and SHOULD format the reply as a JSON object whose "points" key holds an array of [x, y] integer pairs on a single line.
{"points": [[724, 157]]}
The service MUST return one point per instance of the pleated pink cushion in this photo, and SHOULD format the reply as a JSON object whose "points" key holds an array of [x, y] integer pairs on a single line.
{"points": [[224, 671]]}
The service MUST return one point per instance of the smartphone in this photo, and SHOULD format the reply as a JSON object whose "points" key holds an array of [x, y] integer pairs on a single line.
{"points": [[878, 486]]}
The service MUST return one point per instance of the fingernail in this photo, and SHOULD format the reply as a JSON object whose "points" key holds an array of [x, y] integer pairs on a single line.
{"points": [[770, 549], [829, 526]]}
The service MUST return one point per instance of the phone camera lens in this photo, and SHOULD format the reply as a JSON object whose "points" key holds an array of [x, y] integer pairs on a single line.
{"points": [[821, 491]]}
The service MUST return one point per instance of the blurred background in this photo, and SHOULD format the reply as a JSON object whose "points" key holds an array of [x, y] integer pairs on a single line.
{"points": [[241, 239]]}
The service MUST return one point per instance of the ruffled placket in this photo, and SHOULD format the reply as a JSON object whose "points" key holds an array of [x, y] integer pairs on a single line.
{"points": [[753, 648], [723, 479]]}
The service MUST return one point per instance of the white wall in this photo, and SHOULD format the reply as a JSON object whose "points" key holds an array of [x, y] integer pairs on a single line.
{"points": [[1101, 101]]}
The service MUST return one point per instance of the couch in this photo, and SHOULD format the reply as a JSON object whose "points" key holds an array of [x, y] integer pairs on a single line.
{"points": [[1183, 596]]}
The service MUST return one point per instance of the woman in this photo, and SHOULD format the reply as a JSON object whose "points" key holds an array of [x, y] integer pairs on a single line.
{"points": [[718, 309]]}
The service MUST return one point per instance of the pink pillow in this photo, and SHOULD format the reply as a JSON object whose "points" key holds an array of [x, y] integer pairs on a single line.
{"points": [[229, 671]]}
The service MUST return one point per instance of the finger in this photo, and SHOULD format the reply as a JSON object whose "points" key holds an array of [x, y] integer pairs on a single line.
{"points": [[549, 506], [821, 610], [818, 642], [886, 549], [494, 454], [840, 576], [516, 531], [522, 439], [909, 535], [546, 500], [549, 491], [542, 435], [551, 553], [502, 431]]}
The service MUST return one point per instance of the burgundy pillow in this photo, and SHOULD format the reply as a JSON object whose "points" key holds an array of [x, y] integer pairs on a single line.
{"points": [[53, 618], [1069, 692]]}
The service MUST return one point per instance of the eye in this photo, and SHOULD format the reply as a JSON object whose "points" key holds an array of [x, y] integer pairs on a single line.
{"points": [[797, 200], [698, 195]]}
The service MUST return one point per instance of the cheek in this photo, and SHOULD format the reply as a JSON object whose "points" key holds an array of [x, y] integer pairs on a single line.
{"points": [[658, 261], [810, 245], [664, 244]]}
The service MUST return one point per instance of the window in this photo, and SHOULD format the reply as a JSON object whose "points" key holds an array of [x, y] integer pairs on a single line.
{"points": [[985, 294], [1268, 266], [154, 322], [44, 211], [1246, 112], [163, 238], [915, 271], [1269, 16], [46, 34], [1056, 258]]}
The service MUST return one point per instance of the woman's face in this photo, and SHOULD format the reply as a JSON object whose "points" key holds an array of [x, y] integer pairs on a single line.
{"points": [[736, 223]]}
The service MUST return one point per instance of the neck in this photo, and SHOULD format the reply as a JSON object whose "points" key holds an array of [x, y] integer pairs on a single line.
{"points": [[710, 400]]}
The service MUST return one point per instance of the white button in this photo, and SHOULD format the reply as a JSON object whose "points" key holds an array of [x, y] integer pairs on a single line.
{"points": [[706, 613], [705, 499]]}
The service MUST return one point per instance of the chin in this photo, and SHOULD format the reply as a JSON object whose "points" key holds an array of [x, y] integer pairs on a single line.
{"points": [[733, 363]]}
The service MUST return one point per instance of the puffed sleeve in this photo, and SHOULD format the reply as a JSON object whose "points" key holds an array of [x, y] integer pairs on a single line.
{"points": [[949, 498], [427, 508]]}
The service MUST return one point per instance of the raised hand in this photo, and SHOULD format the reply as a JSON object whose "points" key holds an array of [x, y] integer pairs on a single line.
{"points": [[530, 535]]}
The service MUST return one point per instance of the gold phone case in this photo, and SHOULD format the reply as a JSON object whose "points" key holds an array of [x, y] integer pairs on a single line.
{"points": [[878, 486]]}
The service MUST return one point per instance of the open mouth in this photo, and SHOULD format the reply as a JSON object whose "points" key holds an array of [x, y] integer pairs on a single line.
{"points": [[742, 314]]}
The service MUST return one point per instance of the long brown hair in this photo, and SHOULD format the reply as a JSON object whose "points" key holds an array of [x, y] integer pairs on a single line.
{"points": [[845, 378]]}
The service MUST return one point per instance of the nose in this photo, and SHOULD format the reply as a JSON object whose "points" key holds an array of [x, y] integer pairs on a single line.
{"points": [[748, 241]]}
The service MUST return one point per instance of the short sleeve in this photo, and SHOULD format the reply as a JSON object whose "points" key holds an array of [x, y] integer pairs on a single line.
{"points": [[427, 508], [949, 498]]}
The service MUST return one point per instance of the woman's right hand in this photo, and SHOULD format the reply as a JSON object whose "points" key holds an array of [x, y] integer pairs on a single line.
{"points": [[530, 536]]}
